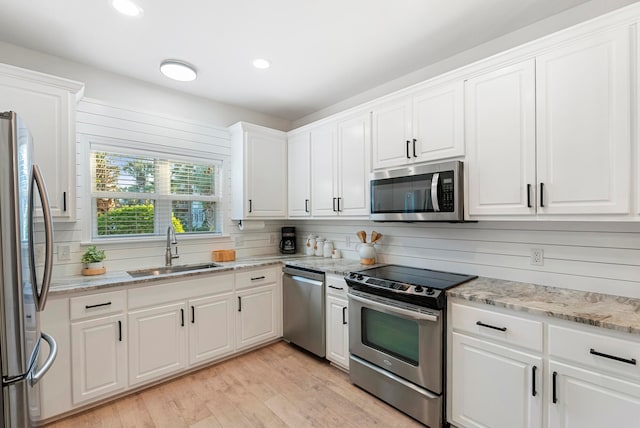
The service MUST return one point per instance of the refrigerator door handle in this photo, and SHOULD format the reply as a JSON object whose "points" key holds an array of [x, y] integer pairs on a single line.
{"points": [[53, 352], [40, 297]]}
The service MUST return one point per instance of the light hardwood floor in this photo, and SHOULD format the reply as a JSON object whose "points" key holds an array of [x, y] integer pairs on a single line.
{"points": [[275, 386]]}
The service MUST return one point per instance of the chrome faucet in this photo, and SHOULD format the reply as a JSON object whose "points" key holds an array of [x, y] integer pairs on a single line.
{"points": [[171, 239]]}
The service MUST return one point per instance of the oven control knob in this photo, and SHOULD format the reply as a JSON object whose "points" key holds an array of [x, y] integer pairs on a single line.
{"points": [[430, 291], [417, 289], [360, 277], [352, 275]]}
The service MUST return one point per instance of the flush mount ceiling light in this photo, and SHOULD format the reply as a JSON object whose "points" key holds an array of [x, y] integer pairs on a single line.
{"points": [[178, 70], [261, 63], [126, 7]]}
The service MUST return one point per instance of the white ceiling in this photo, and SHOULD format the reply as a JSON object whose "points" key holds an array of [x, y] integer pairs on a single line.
{"points": [[322, 51]]}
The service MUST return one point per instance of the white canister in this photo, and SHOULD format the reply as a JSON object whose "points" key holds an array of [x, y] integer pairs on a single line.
{"points": [[327, 250], [319, 246], [367, 253], [310, 249]]}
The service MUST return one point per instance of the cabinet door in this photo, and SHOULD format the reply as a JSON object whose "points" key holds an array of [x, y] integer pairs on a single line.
{"points": [[584, 143], [157, 342], [438, 122], [299, 173], [501, 141], [391, 134], [99, 359], [588, 399], [47, 105], [266, 175], [323, 171], [494, 386], [211, 327], [257, 320], [354, 165], [337, 331]]}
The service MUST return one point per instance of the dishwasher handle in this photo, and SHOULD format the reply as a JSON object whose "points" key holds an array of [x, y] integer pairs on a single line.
{"points": [[297, 278], [302, 272]]}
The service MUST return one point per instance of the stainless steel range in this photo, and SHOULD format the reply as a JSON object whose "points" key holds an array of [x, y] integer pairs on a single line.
{"points": [[397, 337]]}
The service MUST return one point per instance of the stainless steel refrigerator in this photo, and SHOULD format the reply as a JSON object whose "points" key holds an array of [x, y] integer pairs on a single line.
{"points": [[25, 221]]}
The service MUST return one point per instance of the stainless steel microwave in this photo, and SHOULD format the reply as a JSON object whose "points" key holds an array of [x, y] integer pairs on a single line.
{"points": [[418, 193]]}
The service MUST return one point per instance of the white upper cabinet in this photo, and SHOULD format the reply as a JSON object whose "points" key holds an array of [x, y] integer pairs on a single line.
{"points": [[340, 167], [501, 141], [259, 172], [424, 126], [354, 162], [47, 104], [391, 133], [324, 167], [299, 172], [583, 135], [551, 135]]}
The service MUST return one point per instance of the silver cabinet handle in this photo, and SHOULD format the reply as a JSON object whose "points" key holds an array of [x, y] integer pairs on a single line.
{"points": [[40, 297], [434, 191], [53, 352]]}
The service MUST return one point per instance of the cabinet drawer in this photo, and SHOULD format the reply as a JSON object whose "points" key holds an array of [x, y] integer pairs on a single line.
{"points": [[498, 326], [336, 286], [256, 277], [97, 304], [595, 349]]}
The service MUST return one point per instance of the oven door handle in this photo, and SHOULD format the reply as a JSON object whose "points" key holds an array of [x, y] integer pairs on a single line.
{"points": [[419, 316]]}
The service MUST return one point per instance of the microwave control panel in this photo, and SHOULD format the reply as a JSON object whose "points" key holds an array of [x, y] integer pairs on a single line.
{"points": [[448, 193]]}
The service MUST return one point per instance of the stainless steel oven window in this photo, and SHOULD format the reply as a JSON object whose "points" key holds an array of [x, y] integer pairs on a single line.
{"points": [[392, 335]]}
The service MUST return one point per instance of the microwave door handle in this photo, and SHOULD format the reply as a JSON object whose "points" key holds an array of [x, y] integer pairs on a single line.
{"points": [[434, 191]]}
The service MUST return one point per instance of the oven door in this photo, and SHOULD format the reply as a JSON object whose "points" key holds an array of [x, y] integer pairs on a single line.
{"points": [[401, 338]]}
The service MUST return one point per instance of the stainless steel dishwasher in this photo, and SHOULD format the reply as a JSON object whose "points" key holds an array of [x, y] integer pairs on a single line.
{"points": [[304, 309]]}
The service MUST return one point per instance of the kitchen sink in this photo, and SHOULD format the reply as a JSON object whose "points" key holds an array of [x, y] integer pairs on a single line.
{"points": [[170, 269]]}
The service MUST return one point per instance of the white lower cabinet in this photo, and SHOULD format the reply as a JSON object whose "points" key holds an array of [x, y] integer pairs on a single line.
{"points": [[256, 320], [99, 357], [258, 306], [157, 342], [582, 398], [501, 374], [211, 328], [337, 331], [337, 318], [113, 342], [98, 345], [494, 386]]}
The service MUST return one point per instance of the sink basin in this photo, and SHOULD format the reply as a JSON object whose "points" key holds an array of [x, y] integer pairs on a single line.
{"points": [[170, 269]]}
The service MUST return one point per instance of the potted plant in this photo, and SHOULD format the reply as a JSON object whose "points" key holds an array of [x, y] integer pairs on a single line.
{"points": [[93, 258]]}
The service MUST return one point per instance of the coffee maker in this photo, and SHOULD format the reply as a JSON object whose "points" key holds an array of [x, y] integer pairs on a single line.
{"points": [[288, 240]]}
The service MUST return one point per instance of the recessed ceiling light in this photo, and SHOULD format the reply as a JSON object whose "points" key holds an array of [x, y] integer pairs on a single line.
{"points": [[261, 63], [178, 70], [126, 7]]}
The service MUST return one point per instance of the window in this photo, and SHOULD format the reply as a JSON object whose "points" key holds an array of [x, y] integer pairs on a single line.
{"points": [[135, 194]]}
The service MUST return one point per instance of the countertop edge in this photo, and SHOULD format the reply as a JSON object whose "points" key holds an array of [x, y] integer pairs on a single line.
{"points": [[85, 284], [605, 311]]}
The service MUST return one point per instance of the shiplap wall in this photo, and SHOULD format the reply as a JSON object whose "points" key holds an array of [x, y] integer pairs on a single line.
{"points": [[96, 119], [600, 257]]}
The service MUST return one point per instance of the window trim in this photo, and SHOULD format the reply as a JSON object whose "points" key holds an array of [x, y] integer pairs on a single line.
{"points": [[90, 143]]}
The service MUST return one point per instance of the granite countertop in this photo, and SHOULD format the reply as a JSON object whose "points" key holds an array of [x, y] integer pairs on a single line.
{"points": [[600, 310], [79, 283]]}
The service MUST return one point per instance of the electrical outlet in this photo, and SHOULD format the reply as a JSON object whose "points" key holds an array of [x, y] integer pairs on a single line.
{"points": [[272, 239], [239, 241], [347, 241], [64, 252], [537, 256]]}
